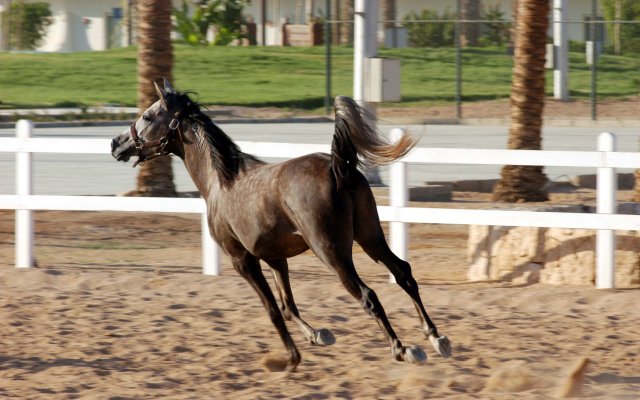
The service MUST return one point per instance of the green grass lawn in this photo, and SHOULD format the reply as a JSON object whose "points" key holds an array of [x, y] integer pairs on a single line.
{"points": [[281, 76]]}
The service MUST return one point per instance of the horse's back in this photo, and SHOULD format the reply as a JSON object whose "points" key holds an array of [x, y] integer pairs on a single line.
{"points": [[309, 189], [281, 208]]}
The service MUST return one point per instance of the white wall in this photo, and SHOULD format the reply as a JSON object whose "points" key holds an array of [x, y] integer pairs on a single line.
{"points": [[69, 33], [86, 25], [277, 10], [77, 25]]}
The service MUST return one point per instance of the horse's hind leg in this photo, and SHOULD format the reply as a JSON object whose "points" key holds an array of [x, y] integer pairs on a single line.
{"points": [[249, 268], [376, 247], [343, 266], [368, 233], [280, 270]]}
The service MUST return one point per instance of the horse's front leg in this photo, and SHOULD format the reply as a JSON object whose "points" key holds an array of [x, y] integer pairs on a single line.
{"points": [[280, 269], [249, 268]]}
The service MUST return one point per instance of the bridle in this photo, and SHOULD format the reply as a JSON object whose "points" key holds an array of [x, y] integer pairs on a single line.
{"points": [[160, 144]]}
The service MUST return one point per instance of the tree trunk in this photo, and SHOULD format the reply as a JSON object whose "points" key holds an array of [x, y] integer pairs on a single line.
{"points": [[526, 183], [470, 11], [346, 14], [636, 193], [19, 21], [617, 44], [335, 16], [513, 31], [129, 20], [390, 26], [155, 61]]}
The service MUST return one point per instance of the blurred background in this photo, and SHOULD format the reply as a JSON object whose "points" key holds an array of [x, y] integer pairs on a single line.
{"points": [[456, 62], [455, 55]]}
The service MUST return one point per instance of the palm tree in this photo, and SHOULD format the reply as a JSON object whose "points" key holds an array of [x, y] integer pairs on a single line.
{"points": [[155, 61], [526, 183]]}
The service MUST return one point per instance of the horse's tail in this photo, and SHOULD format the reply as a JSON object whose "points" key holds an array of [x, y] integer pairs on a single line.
{"points": [[357, 142]]}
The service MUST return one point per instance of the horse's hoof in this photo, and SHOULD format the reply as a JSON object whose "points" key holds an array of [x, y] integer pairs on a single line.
{"points": [[414, 355], [441, 345], [323, 337], [294, 360], [291, 368]]}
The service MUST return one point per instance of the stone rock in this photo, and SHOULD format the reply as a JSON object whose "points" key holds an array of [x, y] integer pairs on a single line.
{"points": [[430, 193], [547, 255], [470, 185], [503, 253], [625, 181], [569, 257], [424, 193]]}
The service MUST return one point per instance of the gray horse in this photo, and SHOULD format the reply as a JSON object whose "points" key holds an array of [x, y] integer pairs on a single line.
{"points": [[270, 212]]}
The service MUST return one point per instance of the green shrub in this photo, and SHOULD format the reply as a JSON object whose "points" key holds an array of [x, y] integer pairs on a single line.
{"points": [[437, 31], [27, 24], [225, 15], [495, 32], [629, 32]]}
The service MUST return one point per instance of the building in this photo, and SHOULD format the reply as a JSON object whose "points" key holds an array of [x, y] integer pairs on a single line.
{"points": [[80, 25], [85, 25]]}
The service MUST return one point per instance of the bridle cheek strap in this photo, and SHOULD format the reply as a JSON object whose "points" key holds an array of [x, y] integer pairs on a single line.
{"points": [[160, 144]]}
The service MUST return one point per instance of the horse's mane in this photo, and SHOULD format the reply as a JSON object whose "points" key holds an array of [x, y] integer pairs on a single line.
{"points": [[226, 157]]}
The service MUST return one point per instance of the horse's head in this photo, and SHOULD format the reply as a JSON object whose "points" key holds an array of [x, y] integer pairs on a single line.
{"points": [[157, 131]]}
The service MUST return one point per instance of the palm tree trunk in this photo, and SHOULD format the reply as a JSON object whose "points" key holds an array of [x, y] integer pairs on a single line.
{"points": [[155, 61], [527, 183]]}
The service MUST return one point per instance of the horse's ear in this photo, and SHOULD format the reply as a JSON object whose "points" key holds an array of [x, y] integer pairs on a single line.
{"points": [[160, 92], [167, 86]]}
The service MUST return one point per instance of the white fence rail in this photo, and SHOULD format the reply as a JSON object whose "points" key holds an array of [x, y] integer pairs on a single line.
{"points": [[606, 160]]}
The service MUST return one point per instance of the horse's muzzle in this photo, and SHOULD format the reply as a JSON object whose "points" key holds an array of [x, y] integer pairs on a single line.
{"points": [[120, 149]]}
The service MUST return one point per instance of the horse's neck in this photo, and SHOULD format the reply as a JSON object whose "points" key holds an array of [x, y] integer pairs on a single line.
{"points": [[198, 162]]}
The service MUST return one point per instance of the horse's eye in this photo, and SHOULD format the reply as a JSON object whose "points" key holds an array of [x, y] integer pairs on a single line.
{"points": [[146, 118]]}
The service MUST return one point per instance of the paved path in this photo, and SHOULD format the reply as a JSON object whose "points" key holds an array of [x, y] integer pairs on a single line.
{"points": [[100, 174]]}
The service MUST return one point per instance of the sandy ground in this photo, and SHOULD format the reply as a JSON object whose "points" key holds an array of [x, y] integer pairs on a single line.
{"points": [[118, 309], [555, 112]]}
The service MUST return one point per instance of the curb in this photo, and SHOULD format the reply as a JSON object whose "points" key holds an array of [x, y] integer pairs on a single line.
{"points": [[66, 124]]}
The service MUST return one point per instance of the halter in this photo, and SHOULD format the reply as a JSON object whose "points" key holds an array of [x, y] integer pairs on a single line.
{"points": [[161, 143]]}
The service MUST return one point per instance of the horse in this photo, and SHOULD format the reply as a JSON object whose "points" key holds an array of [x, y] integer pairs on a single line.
{"points": [[270, 212]]}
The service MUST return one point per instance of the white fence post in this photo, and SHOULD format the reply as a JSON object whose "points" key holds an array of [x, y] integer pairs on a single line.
{"points": [[606, 204], [210, 250], [561, 51], [24, 218], [398, 195]]}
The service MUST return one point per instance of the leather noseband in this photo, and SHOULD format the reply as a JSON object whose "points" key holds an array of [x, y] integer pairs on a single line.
{"points": [[159, 144]]}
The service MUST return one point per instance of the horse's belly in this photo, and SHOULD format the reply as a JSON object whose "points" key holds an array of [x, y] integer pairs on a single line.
{"points": [[283, 246]]}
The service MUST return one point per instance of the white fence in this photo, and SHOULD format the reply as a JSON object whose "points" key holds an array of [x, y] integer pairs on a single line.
{"points": [[606, 160]]}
